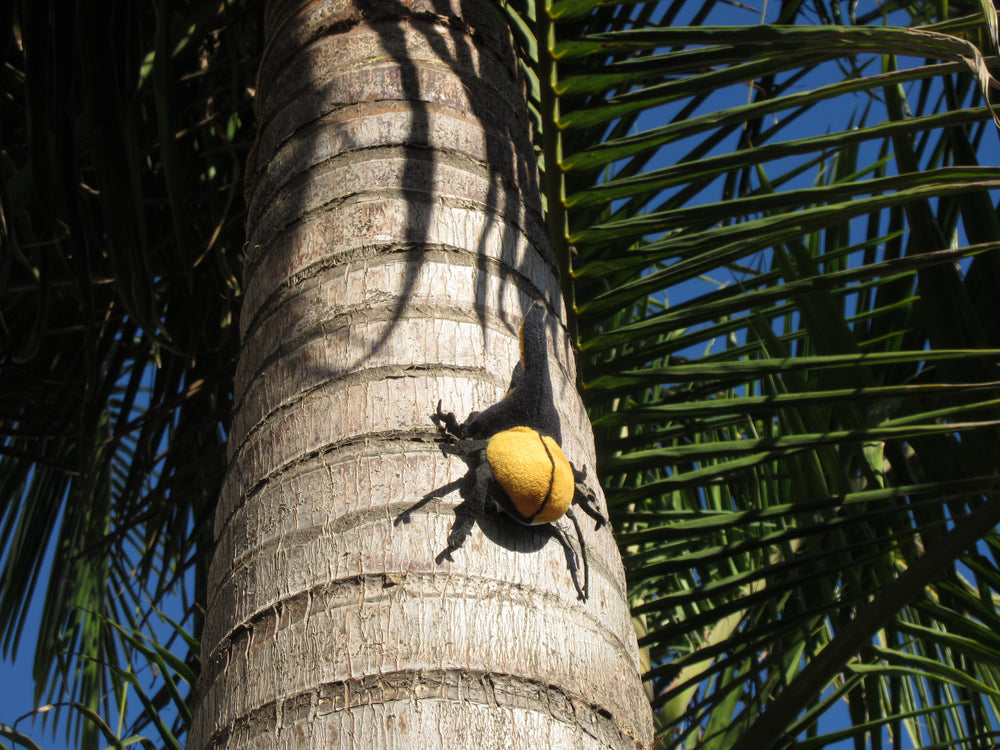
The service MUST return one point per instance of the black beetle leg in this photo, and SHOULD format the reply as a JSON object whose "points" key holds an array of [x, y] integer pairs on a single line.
{"points": [[571, 559]]}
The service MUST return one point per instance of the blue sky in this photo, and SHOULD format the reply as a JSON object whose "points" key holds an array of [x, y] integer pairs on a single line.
{"points": [[16, 686]]}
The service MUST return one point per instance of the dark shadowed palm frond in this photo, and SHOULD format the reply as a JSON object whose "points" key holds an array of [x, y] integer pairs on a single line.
{"points": [[783, 243], [123, 136], [780, 242]]}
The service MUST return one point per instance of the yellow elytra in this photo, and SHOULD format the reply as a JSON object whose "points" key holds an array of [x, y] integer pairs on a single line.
{"points": [[533, 471]]}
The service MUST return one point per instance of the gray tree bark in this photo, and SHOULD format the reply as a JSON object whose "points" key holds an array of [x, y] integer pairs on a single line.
{"points": [[395, 240]]}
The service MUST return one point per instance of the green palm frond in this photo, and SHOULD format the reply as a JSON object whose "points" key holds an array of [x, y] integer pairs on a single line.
{"points": [[783, 241], [122, 142], [779, 241]]}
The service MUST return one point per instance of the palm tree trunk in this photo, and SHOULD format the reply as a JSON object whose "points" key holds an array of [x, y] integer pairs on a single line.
{"points": [[395, 238]]}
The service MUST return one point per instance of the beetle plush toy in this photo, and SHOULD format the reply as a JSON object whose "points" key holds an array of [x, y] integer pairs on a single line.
{"points": [[518, 468]]}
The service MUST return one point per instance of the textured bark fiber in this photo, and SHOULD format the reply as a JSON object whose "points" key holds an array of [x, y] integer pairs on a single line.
{"points": [[395, 240]]}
